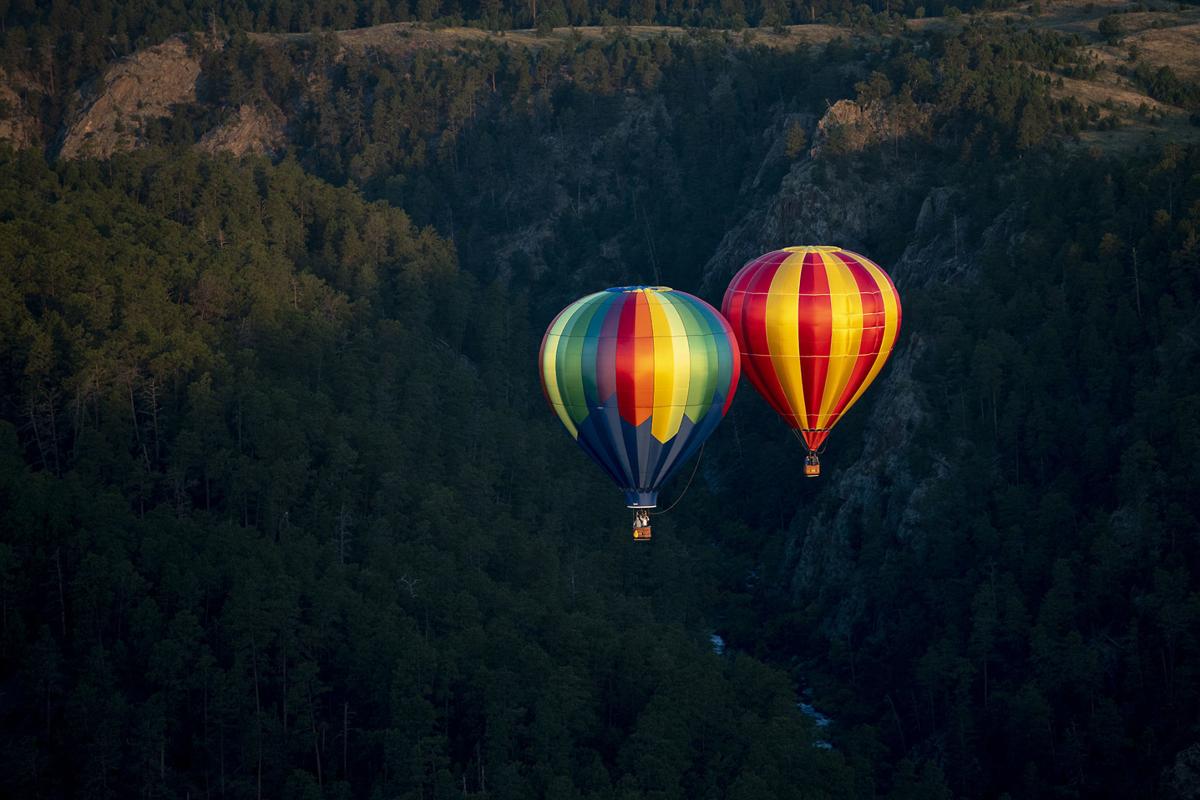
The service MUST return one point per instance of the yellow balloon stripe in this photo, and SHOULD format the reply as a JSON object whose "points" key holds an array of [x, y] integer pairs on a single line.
{"points": [[891, 308], [664, 360], [846, 305], [702, 359], [783, 311], [550, 380], [670, 373], [550, 369]]}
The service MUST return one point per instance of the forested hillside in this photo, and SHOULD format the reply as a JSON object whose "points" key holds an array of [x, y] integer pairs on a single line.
{"points": [[281, 519], [283, 514]]}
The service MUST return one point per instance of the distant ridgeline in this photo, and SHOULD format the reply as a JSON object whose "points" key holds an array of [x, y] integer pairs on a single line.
{"points": [[98, 25], [55, 47], [363, 112]]}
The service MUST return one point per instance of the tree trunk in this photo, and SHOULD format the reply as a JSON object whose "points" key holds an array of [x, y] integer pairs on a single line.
{"points": [[62, 595], [257, 714]]}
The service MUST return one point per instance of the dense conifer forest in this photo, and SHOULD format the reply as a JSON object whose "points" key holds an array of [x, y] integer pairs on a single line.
{"points": [[282, 512]]}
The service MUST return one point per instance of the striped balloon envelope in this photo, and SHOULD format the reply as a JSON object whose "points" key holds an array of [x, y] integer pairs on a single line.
{"points": [[639, 376], [815, 326]]}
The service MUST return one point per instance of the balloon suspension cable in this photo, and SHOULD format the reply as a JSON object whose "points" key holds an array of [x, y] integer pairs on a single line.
{"points": [[689, 483], [812, 464], [800, 438]]}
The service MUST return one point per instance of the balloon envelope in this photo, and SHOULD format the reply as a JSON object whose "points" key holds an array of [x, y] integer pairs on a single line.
{"points": [[815, 326], [639, 376]]}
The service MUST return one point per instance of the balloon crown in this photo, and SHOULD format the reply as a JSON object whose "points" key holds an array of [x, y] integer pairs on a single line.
{"points": [[640, 288]]}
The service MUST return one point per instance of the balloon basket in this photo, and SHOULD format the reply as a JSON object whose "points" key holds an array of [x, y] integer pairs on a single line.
{"points": [[812, 466], [641, 525]]}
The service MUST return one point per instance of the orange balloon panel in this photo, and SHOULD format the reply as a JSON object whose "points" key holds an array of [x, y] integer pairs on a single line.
{"points": [[815, 325]]}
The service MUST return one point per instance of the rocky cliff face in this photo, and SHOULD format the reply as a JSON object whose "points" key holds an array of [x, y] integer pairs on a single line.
{"points": [[18, 127], [253, 129], [134, 91], [811, 206], [881, 487], [113, 115], [851, 127], [819, 201], [822, 202]]}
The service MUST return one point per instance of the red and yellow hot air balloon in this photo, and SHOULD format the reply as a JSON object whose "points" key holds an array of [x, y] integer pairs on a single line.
{"points": [[815, 326]]}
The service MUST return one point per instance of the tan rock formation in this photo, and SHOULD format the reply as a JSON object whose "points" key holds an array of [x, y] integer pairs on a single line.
{"points": [[849, 127], [143, 87], [18, 127], [254, 129]]}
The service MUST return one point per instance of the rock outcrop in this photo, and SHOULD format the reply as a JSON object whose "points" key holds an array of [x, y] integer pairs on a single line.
{"points": [[878, 486], [253, 129], [851, 127], [18, 127], [812, 206], [143, 87]]}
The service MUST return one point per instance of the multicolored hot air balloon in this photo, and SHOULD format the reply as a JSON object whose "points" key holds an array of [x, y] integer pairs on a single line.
{"points": [[639, 376], [815, 326]]}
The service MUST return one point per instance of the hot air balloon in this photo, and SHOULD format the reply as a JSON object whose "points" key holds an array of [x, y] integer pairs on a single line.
{"points": [[815, 326], [639, 376]]}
